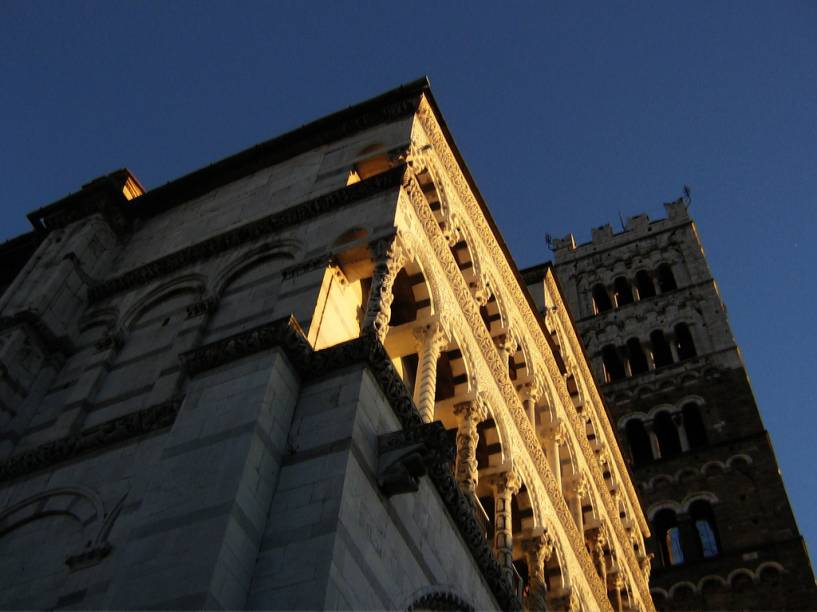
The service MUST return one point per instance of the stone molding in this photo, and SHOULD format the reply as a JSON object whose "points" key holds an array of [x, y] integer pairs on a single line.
{"points": [[477, 217], [246, 233], [369, 351], [98, 437], [440, 600]]}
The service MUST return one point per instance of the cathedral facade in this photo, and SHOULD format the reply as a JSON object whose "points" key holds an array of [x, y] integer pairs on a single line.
{"points": [[306, 376], [656, 331]]}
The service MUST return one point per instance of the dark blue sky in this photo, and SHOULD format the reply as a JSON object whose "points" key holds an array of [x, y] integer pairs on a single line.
{"points": [[566, 115]]}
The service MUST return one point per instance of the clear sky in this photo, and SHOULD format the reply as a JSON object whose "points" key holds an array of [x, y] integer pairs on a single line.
{"points": [[565, 113]]}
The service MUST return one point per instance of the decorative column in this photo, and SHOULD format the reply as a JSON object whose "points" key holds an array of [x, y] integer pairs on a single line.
{"points": [[389, 258], [645, 563], [678, 419], [530, 394], [555, 436], [431, 340], [596, 542], [582, 488], [470, 414], [537, 552], [654, 447], [618, 585], [507, 347], [505, 485]]}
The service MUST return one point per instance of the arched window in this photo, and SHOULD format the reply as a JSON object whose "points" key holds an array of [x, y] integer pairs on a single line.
{"points": [[703, 518], [613, 368], [639, 442], [694, 425], [623, 292], [683, 342], [669, 442], [666, 279], [661, 353], [638, 360], [668, 536], [643, 283], [601, 300]]}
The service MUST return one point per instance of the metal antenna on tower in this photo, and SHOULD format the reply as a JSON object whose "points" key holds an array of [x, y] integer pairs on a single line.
{"points": [[687, 195]]}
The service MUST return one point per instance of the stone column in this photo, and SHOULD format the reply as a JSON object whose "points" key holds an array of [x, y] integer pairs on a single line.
{"points": [[596, 542], [530, 393], [576, 502], [470, 414], [507, 347], [555, 436], [617, 586], [389, 258], [678, 419], [654, 447], [431, 340], [537, 552], [505, 485]]}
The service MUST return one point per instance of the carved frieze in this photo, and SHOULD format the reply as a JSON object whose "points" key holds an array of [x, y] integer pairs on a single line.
{"points": [[92, 439]]}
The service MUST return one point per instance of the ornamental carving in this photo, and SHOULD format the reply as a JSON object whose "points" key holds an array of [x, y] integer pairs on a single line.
{"points": [[92, 439], [477, 217]]}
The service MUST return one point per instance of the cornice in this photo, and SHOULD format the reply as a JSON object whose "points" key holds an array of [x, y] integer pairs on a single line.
{"points": [[247, 233]]}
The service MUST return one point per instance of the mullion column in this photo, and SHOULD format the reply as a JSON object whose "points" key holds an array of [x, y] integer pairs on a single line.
{"points": [[389, 258], [470, 414], [537, 552], [505, 485], [431, 339]]}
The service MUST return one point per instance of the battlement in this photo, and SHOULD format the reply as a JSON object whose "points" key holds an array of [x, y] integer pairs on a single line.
{"points": [[605, 237]]}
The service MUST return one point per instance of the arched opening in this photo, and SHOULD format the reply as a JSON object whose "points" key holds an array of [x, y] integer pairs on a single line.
{"points": [[668, 537], [404, 308], [622, 291], [639, 442], [411, 304], [613, 368], [666, 279], [668, 440], [683, 342], [638, 359], [696, 432], [644, 285], [601, 299], [703, 519], [491, 316], [661, 353]]}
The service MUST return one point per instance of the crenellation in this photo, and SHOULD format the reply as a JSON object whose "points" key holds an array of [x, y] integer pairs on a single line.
{"points": [[662, 351]]}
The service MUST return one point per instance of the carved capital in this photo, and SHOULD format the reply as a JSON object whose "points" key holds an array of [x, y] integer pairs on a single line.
{"points": [[431, 337], [507, 482], [483, 295], [474, 410], [506, 344]]}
